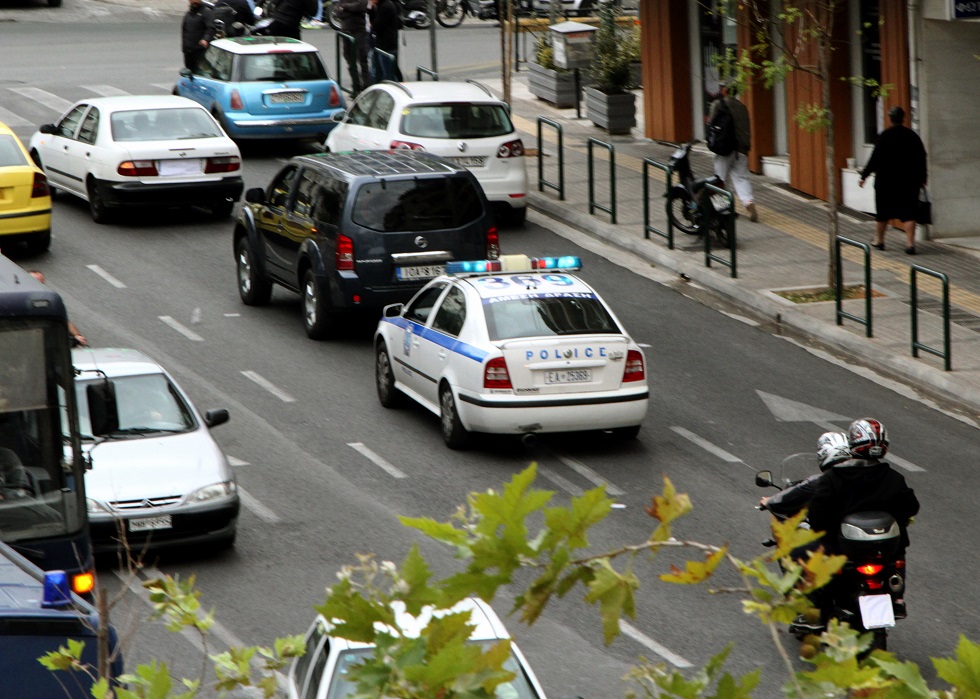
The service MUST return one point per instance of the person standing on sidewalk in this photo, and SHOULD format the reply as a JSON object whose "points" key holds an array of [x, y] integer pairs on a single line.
{"points": [[195, 33], [899, 164], [287, 15], [735, 165], [353, 21], [385, 24]]}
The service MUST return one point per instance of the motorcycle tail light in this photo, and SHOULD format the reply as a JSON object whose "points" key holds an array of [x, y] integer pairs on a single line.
{"points": [[493, 244], [236, 100], [40, 186], [345, 253], [870, 568], [224, 164], [900, 565], [334, 96], [495, 374], [634, 370], [137, 168], [511, 149], [406, 145]]}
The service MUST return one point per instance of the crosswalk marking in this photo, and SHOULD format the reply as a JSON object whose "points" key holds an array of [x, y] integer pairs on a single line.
{"points": [[377, 460], [12, 120], [105, 90], [58, 104]]}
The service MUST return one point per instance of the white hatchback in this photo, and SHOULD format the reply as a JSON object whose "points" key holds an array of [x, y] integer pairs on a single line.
{"points": [[140, 150], [516, 346], [460, 121]]}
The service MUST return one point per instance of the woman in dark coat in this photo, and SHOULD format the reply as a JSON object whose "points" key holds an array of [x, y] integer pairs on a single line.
{"points": [[385, 24], [899, 164]]}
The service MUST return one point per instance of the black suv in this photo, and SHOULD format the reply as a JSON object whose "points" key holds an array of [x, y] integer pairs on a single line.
{"points": [[358, 231]]}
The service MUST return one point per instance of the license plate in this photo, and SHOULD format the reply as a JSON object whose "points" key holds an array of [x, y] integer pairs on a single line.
{"points": [[287, 97], [876, 611], [182, 166], [568, 376], [150, 523], [469, 160], [420, 272]]}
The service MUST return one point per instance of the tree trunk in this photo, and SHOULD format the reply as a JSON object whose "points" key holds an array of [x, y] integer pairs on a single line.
{"points": [[824, 48]]}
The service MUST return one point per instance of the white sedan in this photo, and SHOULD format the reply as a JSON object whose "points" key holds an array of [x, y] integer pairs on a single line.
{"points": [[140, 150], [516, 346]]}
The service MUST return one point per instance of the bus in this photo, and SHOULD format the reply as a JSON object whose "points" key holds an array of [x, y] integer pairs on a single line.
{"points": [[43, 513]]}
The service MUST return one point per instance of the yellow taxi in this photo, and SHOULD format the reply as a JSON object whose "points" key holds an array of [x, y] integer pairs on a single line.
{"points": [[25, 198]]}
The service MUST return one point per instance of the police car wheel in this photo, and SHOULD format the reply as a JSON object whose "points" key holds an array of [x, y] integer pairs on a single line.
{"points": [[453, 432], [388, 395]]}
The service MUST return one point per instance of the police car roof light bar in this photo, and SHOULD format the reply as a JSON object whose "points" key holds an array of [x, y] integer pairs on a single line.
{"points": [[513, 264]]}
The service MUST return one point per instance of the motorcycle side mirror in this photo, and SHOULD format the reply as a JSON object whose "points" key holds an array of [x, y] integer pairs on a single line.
{"points": [[763, 479]]}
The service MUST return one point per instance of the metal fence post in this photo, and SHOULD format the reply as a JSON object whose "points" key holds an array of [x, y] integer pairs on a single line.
{"points": [[422, 70], [839, 283], [339, 38], [542, 182], [647, 228], [593, 204], [709, 215], [946, 353]]}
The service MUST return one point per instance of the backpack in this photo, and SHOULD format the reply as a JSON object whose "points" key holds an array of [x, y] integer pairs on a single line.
{"points": [[720, 135]]}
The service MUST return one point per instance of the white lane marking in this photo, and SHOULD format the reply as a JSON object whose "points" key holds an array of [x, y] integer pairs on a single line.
{"points": [[668, 655], [560, 481], [108, 277], [232, 315], [376, 459], [218, 630], [902, 463], [269, 386], [52, 101], [257, 508], [706, 445], [106, 90], [232, 461], [12, 120], [185, 331], [589, 474]]}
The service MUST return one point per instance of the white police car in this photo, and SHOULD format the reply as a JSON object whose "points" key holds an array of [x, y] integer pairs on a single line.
{"points": [[512, 346]]}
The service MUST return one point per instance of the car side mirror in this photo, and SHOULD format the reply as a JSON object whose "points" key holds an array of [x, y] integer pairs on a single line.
{"points": [[218, 416], [186, 73], [49, 129], [393, 310], [103, 411], [339, 115], [255, 195], [763, 479]]}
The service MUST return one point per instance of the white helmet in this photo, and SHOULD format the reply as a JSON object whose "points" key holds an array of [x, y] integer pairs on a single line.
{"points": [[832, 449]]}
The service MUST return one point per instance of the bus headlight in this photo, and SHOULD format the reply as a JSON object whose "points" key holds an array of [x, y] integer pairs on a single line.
{"points": [[212, 492]]}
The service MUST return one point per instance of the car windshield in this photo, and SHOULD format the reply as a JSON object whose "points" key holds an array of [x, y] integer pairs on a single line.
{"points": [[342, 685], [422, 204], [456, 120], [147, 403], [163, 125], [10, 153], [555, 314], [280, 67]]}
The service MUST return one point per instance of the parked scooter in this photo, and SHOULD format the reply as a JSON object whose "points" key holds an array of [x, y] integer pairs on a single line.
{"points": [[690, 206], [413, 13], [868, 592], [450, 13]]}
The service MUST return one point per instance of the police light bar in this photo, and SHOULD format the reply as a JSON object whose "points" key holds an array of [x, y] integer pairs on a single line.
{"points": [[512, 264]]}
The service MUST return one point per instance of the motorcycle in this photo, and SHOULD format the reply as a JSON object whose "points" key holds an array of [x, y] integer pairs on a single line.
{"points": [[690, 205], [868, 592], [413, 14]]}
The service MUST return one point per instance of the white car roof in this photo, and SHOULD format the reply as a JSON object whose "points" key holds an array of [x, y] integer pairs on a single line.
{"points": [[120, 103], [439, 91], [262, 45], [515, 289], [115, 362]]}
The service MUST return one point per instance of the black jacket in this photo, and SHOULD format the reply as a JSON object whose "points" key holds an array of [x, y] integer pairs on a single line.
{"points": [[194, 27], [353, 15], [899, 160], [385, 24]]}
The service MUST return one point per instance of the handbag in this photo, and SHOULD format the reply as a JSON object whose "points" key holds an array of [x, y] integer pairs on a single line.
{"points": [[923, 214]]}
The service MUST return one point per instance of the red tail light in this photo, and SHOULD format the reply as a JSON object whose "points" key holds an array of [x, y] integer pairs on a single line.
{"points": [[345, 253], [236, 100], [495, 374], [223, 164], [137, 168], [406, 145], [870, 569], [634, 370], [334, 100], [40, 187], [511, 149], [493, 244]]}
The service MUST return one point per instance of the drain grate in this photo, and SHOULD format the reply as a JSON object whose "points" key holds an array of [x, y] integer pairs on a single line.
{"points": [[960, 317]]}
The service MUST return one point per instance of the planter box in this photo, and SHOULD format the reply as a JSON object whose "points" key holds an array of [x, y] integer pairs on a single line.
{"points": [[556, 87], [614, 113]]}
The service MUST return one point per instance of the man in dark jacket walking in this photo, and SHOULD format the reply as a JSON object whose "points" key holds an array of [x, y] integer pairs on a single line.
{"points": [[734, 167], [195, 33], [287, 15], [899, 164], [353, 21], [385, 24]]}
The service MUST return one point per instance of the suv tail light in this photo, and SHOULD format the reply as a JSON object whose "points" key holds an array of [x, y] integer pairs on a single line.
{"points": [[235, 100], [493, 244], [634, 370], [406, 145], [40, 186], [334, 100], [495, 374], [345, 253], [137, 168], [511, 149], [223, 164]]}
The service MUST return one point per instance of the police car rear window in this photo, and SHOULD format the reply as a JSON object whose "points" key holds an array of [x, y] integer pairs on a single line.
{"points": [[544, 316], [424, 204]]}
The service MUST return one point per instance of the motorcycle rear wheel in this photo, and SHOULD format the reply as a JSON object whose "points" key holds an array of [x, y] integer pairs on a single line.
{"points": [[450, 13], [332, 18], [680, 212]]}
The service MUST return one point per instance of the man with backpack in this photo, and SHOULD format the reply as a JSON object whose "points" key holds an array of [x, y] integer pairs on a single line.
{"points": [[729, 137]]}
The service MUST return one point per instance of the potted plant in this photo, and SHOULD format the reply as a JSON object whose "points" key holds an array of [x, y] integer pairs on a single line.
{"points": [[546, 80], [608, 100]]}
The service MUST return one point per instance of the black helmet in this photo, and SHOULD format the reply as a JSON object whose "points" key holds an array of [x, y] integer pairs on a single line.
{"points": [[867, 438]]}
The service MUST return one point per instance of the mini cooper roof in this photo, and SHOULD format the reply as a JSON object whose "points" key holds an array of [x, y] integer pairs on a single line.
{"points": [[263, 45]]}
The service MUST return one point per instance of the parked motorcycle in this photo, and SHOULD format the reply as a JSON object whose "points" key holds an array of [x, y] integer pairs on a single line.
{"points": [[690, 206], [868, 592], [450, 13], [413, 13]]}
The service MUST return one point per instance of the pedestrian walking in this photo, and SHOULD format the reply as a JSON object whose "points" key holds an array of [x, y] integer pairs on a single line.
{"points": [[385, 24], [353, 21], [899, 164], [195, 33], [287, 16], [734, 166]]}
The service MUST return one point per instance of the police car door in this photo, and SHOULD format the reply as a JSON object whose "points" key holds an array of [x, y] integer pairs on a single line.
{"points": [[409, 356], [438, 343]]}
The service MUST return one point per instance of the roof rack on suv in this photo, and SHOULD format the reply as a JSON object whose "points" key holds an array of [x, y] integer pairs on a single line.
{"points": [[380, 163], [399, 85], [482, 87]]}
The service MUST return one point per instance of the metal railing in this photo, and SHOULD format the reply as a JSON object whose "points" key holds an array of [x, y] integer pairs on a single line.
{"points": [[542, 182], [945, 354], [389, 60], [422, 70], [339, 38], [839, 283], [647, 228], [593, 204], [726, 218]]}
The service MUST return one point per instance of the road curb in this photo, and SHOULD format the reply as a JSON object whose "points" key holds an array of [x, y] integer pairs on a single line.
{"points": [[939, 382]]}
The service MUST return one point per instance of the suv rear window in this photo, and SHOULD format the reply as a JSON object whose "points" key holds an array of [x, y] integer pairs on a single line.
{"points": [[422, 204], [546, 316], [456, 120], [278, 67]]}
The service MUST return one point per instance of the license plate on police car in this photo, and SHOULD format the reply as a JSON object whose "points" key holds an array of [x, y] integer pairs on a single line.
{"points": [[286, 97], [150, 523], [568, 376], [469, 160], [419, 272]]}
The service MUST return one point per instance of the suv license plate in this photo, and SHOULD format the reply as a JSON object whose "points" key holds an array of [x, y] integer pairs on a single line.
{"points": [[149, 523], [420, 272], [286, 97], [568, 376], [469, 160]]}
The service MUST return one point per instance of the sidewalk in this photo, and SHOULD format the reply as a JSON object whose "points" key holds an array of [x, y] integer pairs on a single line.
{"points": [[787, 248]]}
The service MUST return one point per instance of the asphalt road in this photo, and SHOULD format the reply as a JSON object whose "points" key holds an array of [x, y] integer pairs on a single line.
{"points": [[728, 398]]}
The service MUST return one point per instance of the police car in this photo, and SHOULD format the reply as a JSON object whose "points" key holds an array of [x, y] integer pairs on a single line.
{"points": [[512, 346]]}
